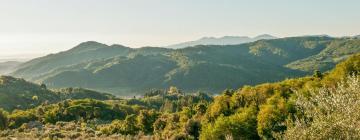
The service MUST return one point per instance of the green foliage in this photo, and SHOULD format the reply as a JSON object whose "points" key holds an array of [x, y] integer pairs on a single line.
{"points": [[3, 119], [334, 52], [201, 108], [125, 127], [241, 125], [300, 108], [35, 98], [271, 117], [317, 74], [348, 67], [20, 94], [329, 113], [192, 128], [174, 90], [146, 119], [83, 52], [87, 109], [221, 106], [160, 124], [209, 68], [19, 117], [43, 86], [275, 103], [154, 92], [81, 93]]}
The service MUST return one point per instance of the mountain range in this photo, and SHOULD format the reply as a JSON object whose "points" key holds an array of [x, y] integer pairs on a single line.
{"points": [[211, 68], [225, 40]]}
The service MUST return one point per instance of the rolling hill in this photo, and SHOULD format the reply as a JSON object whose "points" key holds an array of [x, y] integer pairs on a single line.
{"points": [[211, 68]]}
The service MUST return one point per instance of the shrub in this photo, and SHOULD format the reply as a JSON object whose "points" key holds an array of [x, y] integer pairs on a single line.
{"points": [[329, 113], [19, 117]]}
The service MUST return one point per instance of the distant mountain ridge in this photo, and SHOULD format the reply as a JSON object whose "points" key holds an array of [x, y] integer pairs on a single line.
{"points": [[225, 40], [8, 66], [211, 68]]}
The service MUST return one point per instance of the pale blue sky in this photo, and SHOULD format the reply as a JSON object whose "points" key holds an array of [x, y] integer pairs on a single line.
{"points": [[36, 27]]}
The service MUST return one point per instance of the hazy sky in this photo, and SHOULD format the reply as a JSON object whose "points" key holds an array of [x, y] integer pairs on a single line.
{"points": [[37, 27]]}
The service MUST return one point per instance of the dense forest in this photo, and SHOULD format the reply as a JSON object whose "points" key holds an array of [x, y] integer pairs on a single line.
{"points": [[210, 68], [324, 105]]}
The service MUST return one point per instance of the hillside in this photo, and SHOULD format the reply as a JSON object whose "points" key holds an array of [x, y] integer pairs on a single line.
{"points": [[84, 52], [329, 57], [19, 94], [226, 40], [8, 66], [288, 109], [127, 71]]}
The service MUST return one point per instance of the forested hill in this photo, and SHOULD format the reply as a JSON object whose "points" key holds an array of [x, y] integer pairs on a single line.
{"points": [[213, 68], [290, 109], [19, 94]]}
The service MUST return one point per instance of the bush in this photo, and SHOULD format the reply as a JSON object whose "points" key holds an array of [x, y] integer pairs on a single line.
{"points": [[124, 127], [19, 117], [330, 113]]}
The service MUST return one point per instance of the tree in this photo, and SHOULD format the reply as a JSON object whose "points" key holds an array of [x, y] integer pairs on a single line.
{"points": [[329, 113], [174, 90], [201, 108], [159, 125], [43, 86], [228, 92], [241, 125], [220, 106], [35, 98], [153, 92], [192, 128], [66, 103], [146, 119], [318, 74], [129, 125], [271, 117], [124, 127], [3, 119]]}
